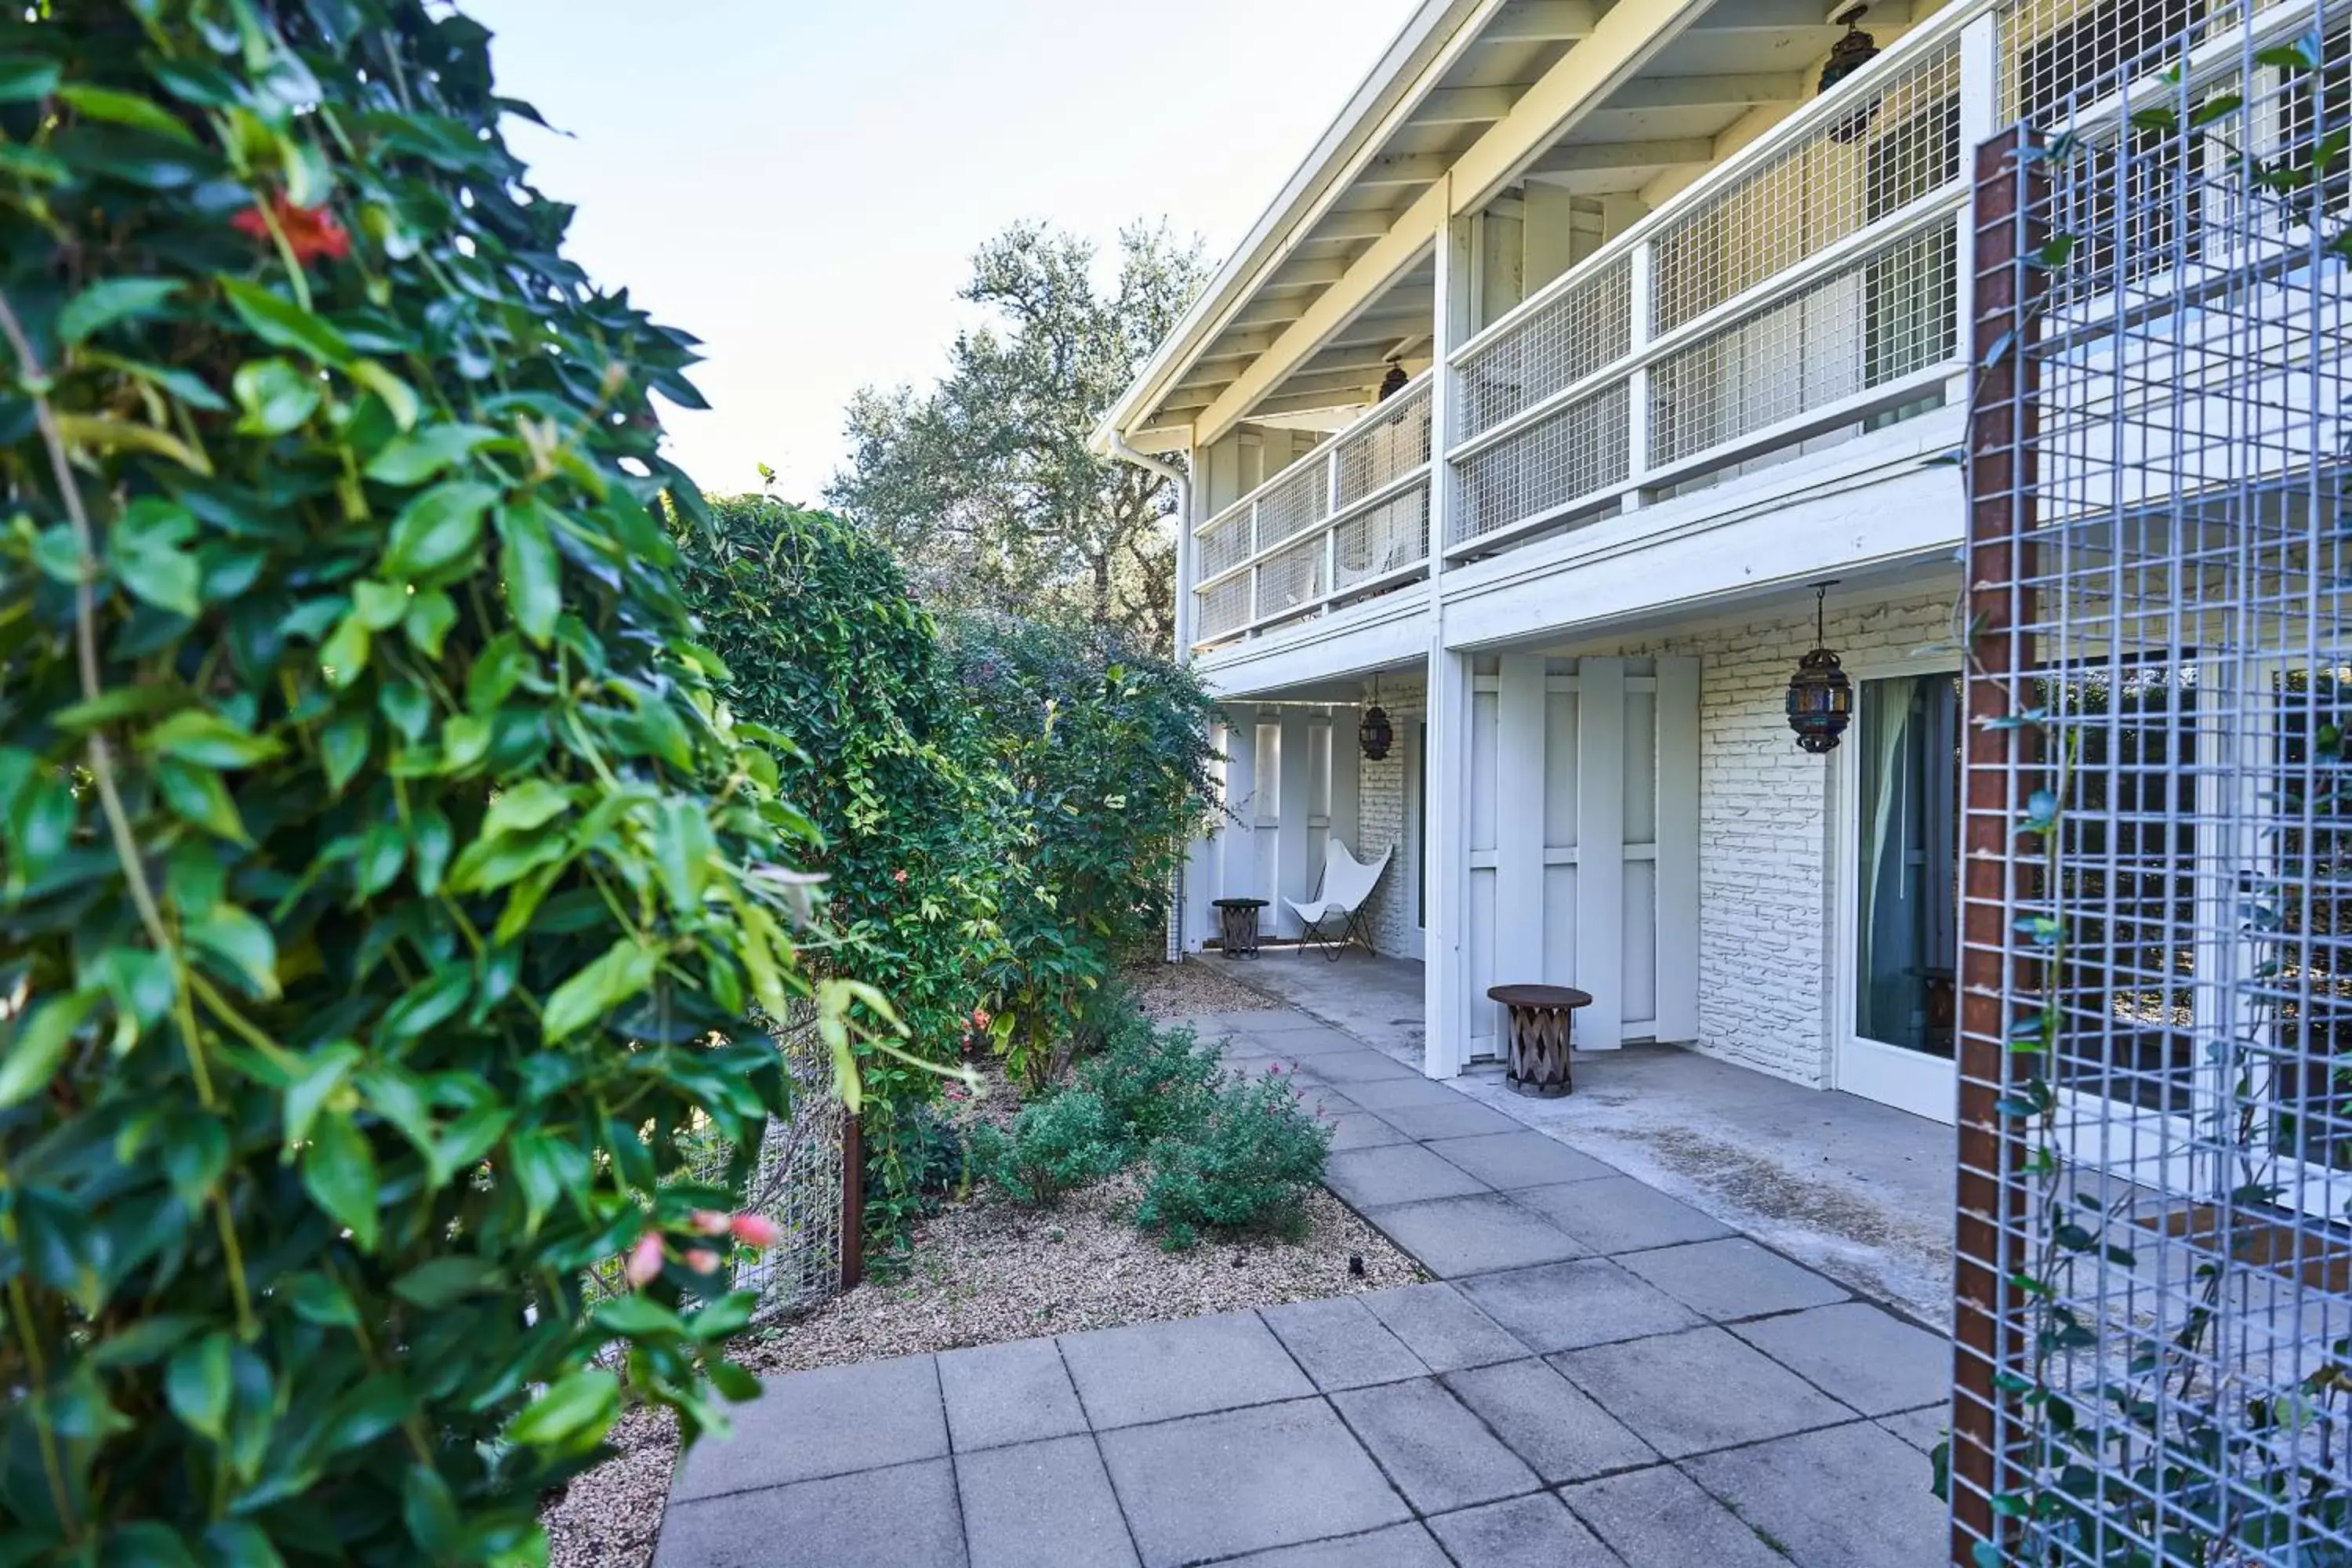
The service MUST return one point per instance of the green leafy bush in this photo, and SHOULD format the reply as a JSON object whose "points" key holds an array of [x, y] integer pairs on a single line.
{"points": [[826, 650], [1105, 759], [1248, 1165], [1158, 1083], [1052, 1147], [384, 879]]}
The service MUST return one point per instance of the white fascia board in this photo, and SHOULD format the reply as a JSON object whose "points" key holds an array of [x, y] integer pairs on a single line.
{"points": [[1354, 135], [1377, 634], [1910, 513]]}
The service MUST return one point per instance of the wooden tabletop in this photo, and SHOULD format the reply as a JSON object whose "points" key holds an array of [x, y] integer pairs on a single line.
{"points": [[1541, 996]]}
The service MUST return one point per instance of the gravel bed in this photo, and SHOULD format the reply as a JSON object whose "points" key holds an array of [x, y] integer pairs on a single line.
{"points": [[987, 1270], [1165, 990]]}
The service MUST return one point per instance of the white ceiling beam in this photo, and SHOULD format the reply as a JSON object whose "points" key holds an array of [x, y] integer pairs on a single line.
{"points": [[1591, 157], [1408, 169], [1740, 90], [1542, 22], [1369, 223], [1465, 106], [1767, 15], [1297, 276], [1622, 42], [1267, 313]]}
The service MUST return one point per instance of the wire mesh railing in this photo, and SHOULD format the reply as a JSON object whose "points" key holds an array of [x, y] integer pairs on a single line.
{"points": [[1346, 518], [2154, 1306]]}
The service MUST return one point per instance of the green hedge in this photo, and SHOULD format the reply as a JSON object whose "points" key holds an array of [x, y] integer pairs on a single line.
{"points": [[381, 876]]}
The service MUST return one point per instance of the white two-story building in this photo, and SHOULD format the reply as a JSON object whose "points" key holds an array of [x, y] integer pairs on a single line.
{"points": [[1591, 338]]}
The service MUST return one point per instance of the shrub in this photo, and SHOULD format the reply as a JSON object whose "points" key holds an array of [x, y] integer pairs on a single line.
{"points": [[1052, 1147], [1158, 1083], [1105, 759], [382, 879], [826, 648], [1250, 1162]]}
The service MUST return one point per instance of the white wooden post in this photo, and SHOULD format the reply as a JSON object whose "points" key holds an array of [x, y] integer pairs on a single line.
{"points": [[1447, 975], [1641, 274], [1678, 847], [1520, 821], [1347, 784], [1979, 106], [1600, 851], [1239, 880], [1294, 805]]}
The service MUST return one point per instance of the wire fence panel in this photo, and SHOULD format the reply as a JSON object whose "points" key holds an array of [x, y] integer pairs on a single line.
{"points": [[796, 1183], [2154, 1309]]}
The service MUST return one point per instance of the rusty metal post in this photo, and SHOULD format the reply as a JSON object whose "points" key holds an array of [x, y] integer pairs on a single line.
{"points": [[1999, 765], [853, 1200]]}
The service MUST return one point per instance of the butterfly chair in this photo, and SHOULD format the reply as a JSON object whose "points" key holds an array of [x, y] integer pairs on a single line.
{"points": [[1348, 885]]}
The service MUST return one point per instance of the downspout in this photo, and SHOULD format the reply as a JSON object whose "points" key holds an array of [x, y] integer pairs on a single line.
{"points": [[1122, 452]]}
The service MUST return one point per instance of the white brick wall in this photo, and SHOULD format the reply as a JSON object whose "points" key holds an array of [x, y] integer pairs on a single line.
{"points": [[1766, 921], [1380, 810]]}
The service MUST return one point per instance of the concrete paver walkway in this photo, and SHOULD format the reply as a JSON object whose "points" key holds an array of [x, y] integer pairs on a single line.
{"points": [[1602, 1377]]}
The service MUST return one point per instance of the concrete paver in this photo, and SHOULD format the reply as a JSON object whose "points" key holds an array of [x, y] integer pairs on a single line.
{"points": [[1704, 1399]]}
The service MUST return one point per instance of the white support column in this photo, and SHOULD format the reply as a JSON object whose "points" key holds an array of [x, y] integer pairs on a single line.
{"points": [[1520, 821], [1979, 106], [1445, 1002], [1348, 784], [1187, 551], [1239, 878], [1641, 274], [1600, 851], [1678, 847], [1294, 805]]}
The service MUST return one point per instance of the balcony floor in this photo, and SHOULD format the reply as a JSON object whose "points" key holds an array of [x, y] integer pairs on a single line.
{"points": [[1860, 1191]]}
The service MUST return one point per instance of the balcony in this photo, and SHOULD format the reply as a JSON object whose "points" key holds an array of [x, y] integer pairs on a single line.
{"points": [[1805, 289]]}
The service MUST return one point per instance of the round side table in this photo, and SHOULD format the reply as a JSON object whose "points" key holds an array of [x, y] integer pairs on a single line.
{"points": [[1237, 926], [1540, 1016]]}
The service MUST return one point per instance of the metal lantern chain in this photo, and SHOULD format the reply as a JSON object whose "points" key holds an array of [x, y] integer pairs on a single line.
{"points": [[1820, 695]]}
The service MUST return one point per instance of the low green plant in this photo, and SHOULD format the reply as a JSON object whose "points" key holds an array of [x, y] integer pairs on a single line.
{"points": [[1158, 1083], [1247, 1164], [1052, 1147]]}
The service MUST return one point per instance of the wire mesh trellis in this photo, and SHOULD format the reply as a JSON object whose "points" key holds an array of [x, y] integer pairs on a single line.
{"points": [[2154, 1313], [796, 1183]]}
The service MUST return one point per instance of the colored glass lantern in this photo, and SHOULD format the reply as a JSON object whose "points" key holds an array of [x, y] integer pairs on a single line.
{"points": [[1374, 733], [1820, 695]]}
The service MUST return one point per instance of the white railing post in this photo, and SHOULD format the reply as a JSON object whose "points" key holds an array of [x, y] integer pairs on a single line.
{"points": [[1640, 290], [1331, 529], [1979, 119]]}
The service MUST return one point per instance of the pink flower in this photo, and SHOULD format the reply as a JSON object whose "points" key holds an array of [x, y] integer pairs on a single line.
{"points": [[702, 1260], [710, 1222], [645, 1262], [1273, 1069], [756, 1230], [979, 1017], [899, 876]]}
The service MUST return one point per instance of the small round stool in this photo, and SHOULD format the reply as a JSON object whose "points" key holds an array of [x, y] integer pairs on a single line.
{"points": [[1237, 926], [1540, 1016]]}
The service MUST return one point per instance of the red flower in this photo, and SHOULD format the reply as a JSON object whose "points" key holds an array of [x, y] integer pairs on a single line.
{"points": [[311, 232], [644, 1264], [899, 876], [979, 1017], [757, 1230]]}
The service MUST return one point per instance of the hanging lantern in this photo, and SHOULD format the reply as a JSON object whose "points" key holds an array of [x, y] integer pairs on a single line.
{"points": [[1821, 698], [1847, 56], [1396, 381], [1373, 731]]}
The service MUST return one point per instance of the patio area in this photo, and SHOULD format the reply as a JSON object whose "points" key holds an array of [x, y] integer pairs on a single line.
{"points": [[1600, 1375]]}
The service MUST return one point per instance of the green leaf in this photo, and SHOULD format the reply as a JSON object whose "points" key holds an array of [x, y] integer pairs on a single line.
{"points": [[414, 459], [571, 1415], [438, 529], [40, 1043], [25, 77], [429, 847], [125, 108], [465, 741], [379, 606], [112, 300], [196, 1384], [430, 1512], [534, 574], [240, 941], [319, 1299], [168, 578], [339, 1173], [431, 614], [445, 1281], [313, 1082], [209, 741], [344, 655], [197, 795], [276, 394], [398, 397], [384, 849], [683, 848], [283, 324], [636, 1316], [618, 974], [533, 803]]}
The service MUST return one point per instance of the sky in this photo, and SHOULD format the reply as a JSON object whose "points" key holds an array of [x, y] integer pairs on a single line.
{"points": [[801, 183]]}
